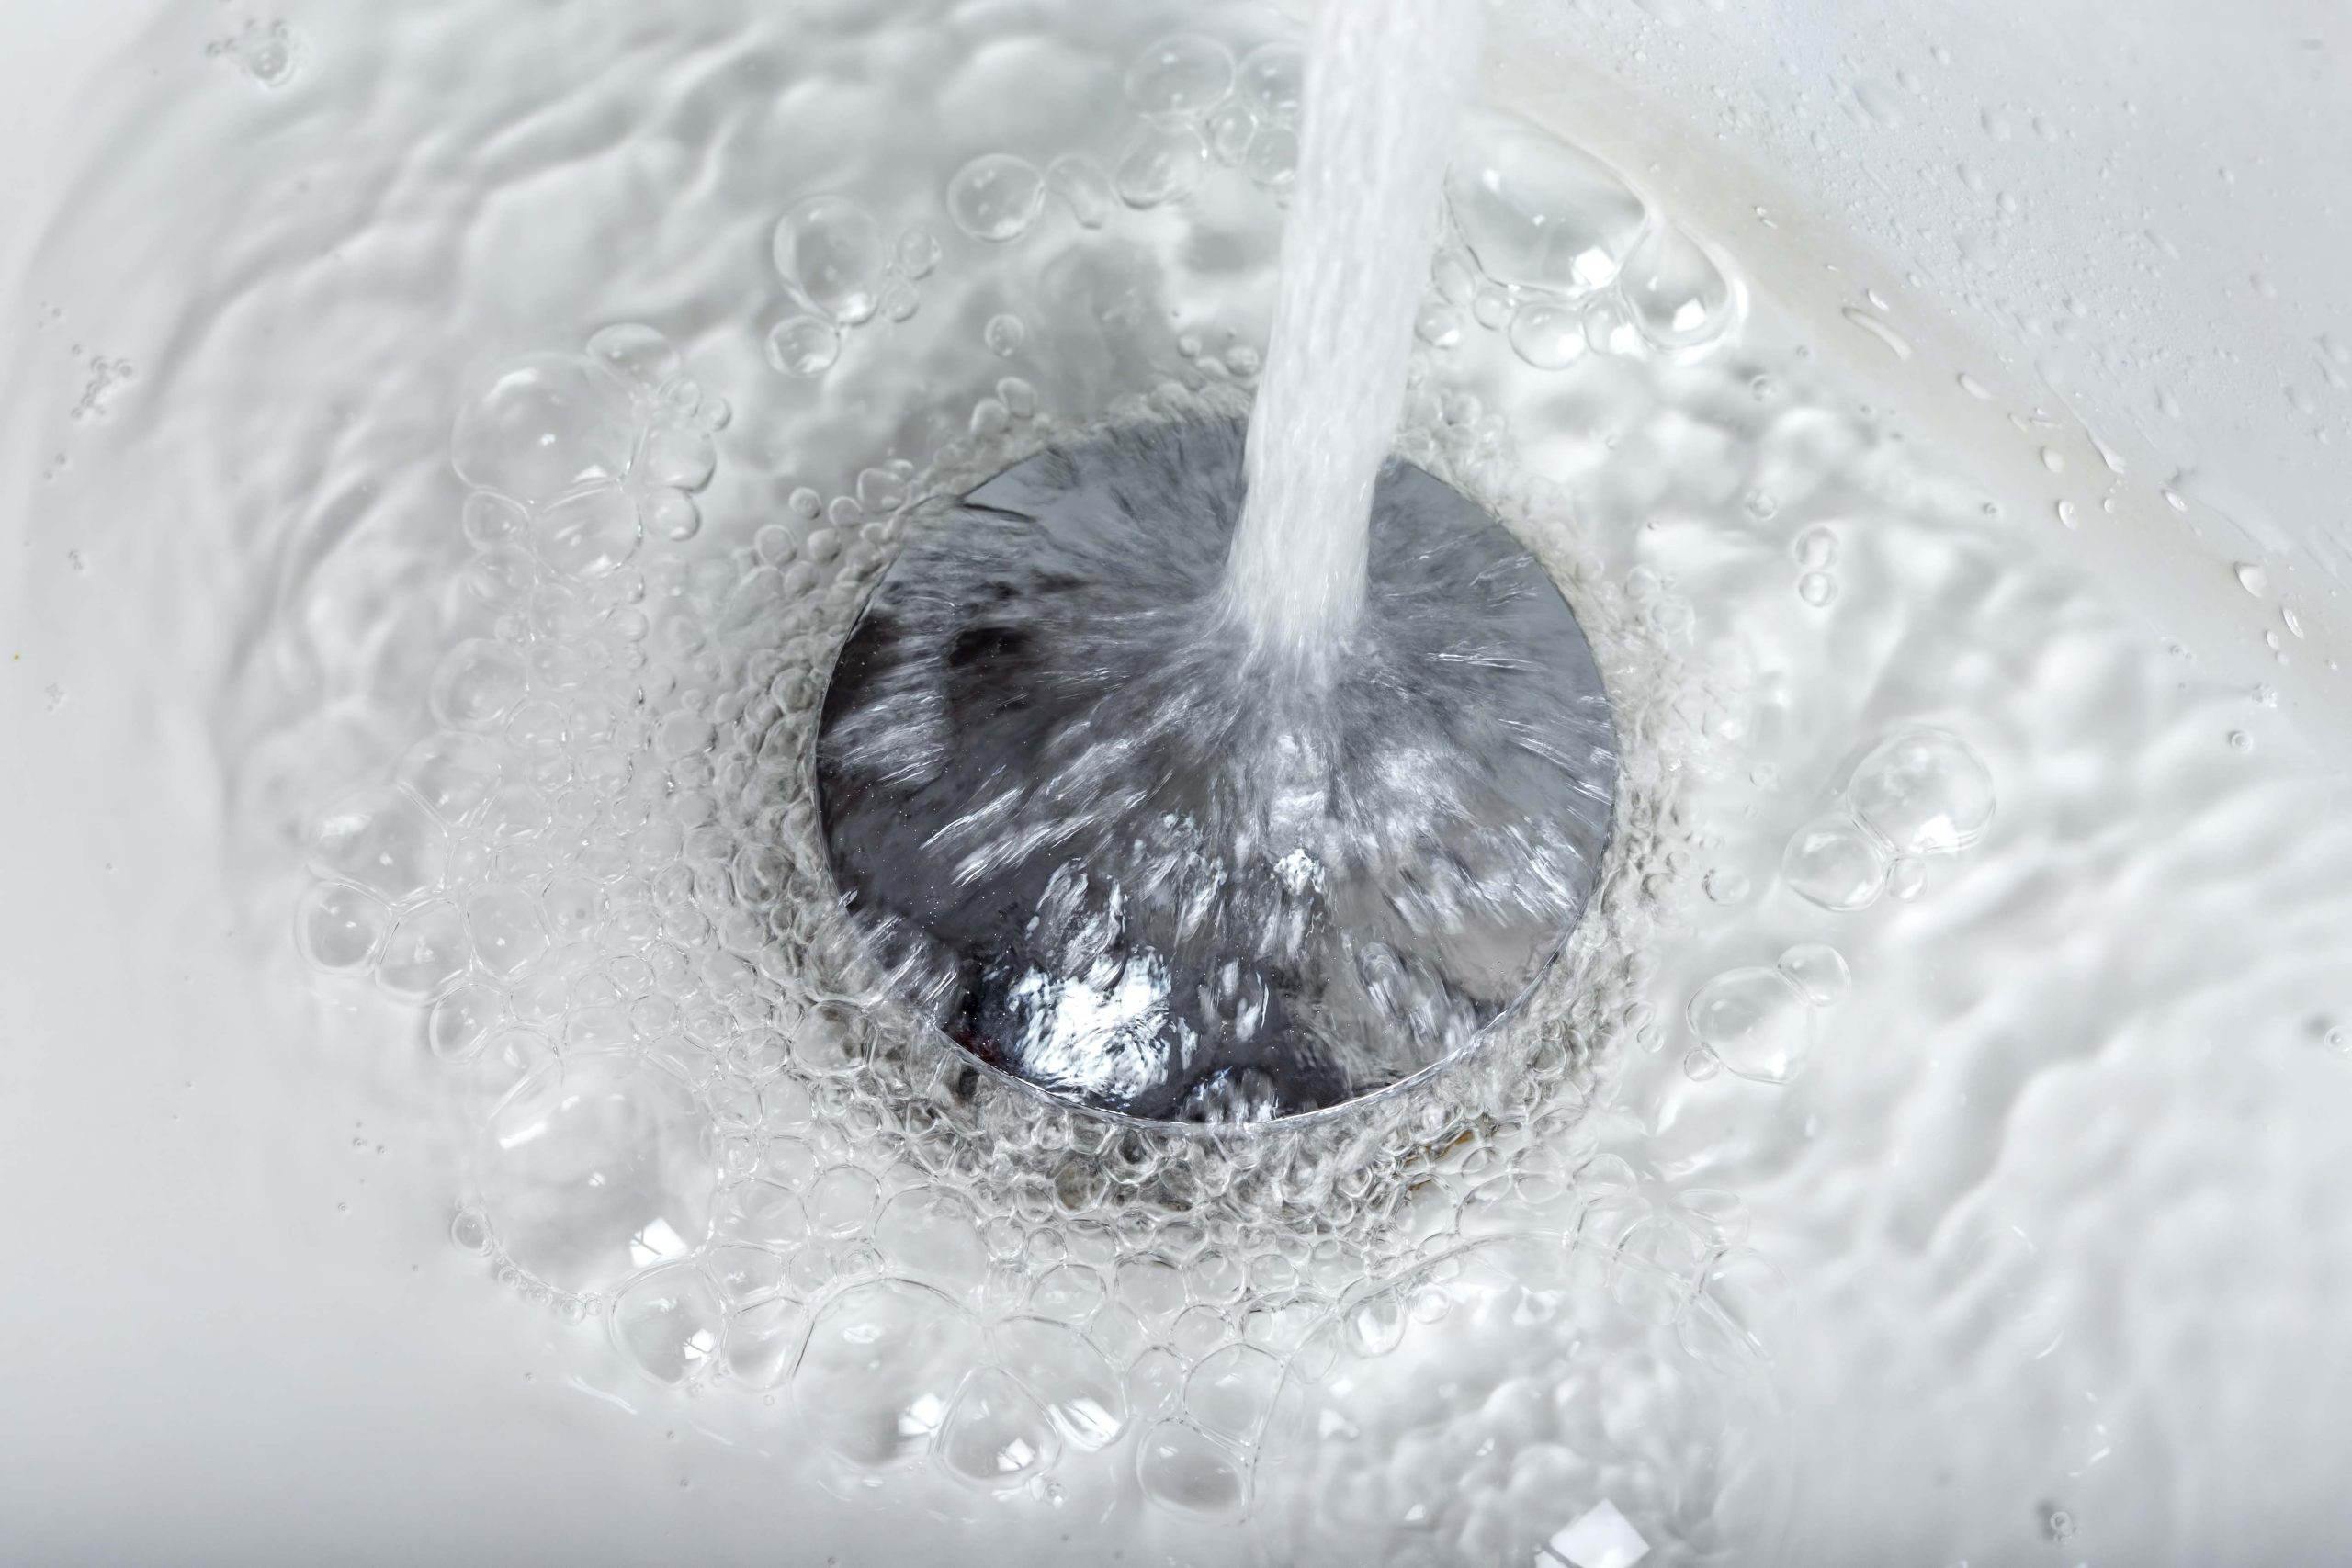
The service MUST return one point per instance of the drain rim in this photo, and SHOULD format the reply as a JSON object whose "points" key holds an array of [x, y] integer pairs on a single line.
{"points": [[1477, 1050]]}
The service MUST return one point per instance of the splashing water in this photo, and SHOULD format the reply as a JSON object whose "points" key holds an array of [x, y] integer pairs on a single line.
{"points": [[1384, 79]]}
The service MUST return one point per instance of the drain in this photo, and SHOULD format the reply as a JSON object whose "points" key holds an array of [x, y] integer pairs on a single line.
{"points": [[1108, 844]]}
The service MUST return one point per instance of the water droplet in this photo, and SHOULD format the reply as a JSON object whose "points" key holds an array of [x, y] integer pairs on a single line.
{"points": [[1537, 213], [2240, 741], [469, 1230], [2054, 459], [1817, 548], [1681, 300], [1881, 329], [1817, 589], [2253, 579], [996, 196]]}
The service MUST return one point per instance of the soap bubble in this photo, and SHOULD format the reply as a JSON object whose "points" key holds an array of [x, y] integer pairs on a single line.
{"points": [[996, 196], [1070, 1375], [540, 425], [831, 250], [589, 533], [508, 934], [1185, 1470], [881, 1369], [426, 953], [1271, 157], [667, 1323], [1925, 792], [490, 520], [1547, 335], [1159, 164], [676, 456], [1004, 334], [804, 345], [1229, 131], [596, 1168], [339, 928], [1180, 78], [1757, 1022], [918, 253], [461, 1020], [637, 351], [1819, 971], [1273, 80], [932, 1236], [380, 840], [997, 1436], [1231, 1393], [1834, 862], [476, 682]]}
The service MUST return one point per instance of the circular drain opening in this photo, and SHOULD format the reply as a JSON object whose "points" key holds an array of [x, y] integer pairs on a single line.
{"points": [[1104, 843]]}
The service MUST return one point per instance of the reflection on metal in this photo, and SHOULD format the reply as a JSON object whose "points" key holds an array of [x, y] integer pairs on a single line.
{"points": [[1108, 845]]}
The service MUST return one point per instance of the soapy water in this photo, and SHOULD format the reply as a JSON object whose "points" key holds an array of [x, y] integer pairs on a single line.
{"points": [[1824, 1102]]}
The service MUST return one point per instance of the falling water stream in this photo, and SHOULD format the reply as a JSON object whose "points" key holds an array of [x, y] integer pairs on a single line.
{"points": [[1382, 85], [1921, 1151]]}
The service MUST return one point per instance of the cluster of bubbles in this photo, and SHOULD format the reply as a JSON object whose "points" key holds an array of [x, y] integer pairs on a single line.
{"points": [[841, 273], [1916, 796], [600, 881], [1555, 251], [1193, 103]]}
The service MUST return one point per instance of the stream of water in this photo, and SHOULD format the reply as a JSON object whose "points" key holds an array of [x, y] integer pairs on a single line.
{"points": [[1384, 83]]}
